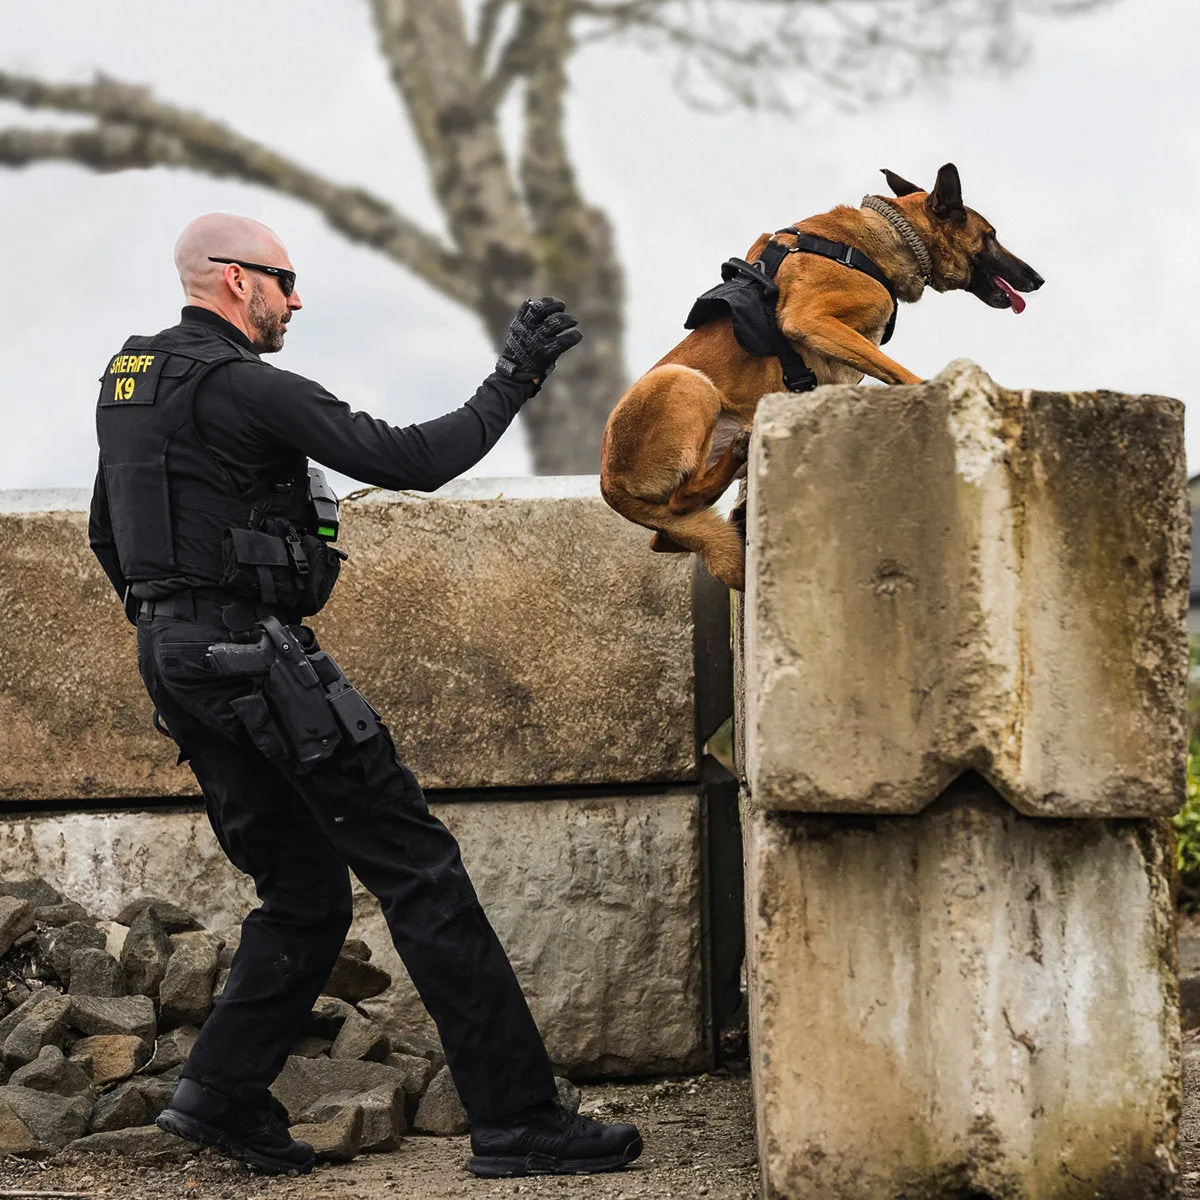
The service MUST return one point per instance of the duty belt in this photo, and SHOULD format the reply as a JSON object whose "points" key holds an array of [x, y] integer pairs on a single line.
{"points": [[212, 608]]}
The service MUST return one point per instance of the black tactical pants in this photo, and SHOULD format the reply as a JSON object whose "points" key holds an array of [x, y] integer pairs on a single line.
{"points": [[295, 835]]}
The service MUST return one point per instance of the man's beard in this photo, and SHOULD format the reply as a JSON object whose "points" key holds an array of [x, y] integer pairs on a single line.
{"points": [[269, 326]]}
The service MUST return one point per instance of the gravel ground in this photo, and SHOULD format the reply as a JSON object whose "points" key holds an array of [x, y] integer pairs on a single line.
{"points": [[699, 1137]]}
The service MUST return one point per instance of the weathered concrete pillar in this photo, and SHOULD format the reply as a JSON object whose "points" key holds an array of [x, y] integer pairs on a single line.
{"points": [[963, 694]]}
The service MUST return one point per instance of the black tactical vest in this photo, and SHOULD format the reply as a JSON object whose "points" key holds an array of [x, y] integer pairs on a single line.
{"points": [[178, 518]]}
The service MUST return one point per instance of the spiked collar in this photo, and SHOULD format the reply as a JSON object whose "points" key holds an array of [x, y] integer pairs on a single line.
{"points": [[912, 239]]}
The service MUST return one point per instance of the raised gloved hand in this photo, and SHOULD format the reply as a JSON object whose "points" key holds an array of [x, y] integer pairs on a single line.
{"points": [[539, 333]]}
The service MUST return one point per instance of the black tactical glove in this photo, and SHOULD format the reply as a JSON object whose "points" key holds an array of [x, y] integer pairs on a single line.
{"points": [[539, 333]]}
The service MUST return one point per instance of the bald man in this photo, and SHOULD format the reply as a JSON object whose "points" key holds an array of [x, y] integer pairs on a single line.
{"points": [[217, 536]]}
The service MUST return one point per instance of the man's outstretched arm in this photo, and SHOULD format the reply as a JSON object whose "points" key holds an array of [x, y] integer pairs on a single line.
{"points": [[306, 417]]}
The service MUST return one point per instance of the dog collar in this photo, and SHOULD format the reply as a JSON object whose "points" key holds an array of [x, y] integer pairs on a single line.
{"points": [[911, 238]]}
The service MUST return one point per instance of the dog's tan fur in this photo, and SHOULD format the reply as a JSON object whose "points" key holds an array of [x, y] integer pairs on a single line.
{"points": [[679, 436]]}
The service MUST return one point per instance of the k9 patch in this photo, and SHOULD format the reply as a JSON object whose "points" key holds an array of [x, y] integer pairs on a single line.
{"points": [[131, 379]]}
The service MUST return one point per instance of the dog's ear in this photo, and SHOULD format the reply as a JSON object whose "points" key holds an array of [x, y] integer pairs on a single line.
{"points": [[899, 185], [945, 200]]}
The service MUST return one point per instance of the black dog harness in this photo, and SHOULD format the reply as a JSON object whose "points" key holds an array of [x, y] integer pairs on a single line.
{"points": [[749, 295]]}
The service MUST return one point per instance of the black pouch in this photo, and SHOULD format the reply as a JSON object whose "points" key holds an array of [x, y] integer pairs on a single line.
{"points": [[357, 720], [262, 727], [293, 570], [316, 583], [257, 565]]}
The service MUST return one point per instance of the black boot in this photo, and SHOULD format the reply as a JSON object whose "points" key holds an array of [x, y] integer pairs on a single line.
{"points": [[258, 1135], [548, 1140]]}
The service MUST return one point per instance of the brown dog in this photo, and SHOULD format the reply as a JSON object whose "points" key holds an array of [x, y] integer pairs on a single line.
{"points": [[679, 436]]}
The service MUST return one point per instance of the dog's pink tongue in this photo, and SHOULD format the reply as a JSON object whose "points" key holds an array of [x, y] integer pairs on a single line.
{"points": [[1014, 297]]}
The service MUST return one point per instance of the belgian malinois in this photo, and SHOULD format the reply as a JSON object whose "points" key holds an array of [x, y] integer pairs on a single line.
{"points": [[680, 435]]}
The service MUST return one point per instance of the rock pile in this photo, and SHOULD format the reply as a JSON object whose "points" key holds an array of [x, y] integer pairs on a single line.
{"points": [[98, 1016]]}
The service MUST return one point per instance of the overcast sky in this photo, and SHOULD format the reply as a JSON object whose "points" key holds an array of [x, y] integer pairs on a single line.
{"points": [[1086, 160]]}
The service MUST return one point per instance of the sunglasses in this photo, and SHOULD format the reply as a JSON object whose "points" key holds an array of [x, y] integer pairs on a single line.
{"points": [[287, 279]]}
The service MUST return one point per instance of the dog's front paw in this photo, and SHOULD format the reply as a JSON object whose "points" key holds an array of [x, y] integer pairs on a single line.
{"points": [[739, 447]]}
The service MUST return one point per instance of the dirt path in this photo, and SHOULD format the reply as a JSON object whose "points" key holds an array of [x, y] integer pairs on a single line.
{"points": [[699, 1143]]}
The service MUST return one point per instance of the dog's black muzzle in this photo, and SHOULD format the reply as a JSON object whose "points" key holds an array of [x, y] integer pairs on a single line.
{"points": [[1020, 276]]}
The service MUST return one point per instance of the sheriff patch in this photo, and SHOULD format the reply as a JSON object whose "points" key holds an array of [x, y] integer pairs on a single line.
{"points": [[131, 379]]}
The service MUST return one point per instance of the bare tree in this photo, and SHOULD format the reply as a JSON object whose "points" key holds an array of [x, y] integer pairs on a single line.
{"points": [[524, 228]]}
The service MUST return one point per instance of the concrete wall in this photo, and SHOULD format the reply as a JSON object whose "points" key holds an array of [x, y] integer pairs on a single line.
{"points": [[965, 1002], [513, 633], [964, 604], [598, 903], [548, 678], [955, 576]]}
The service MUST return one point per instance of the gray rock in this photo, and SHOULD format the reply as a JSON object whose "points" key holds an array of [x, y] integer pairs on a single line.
{"points": [[193, 937], [51, 1071], [45, 1026], [357, 948], [55, 915], [113, 1014], [383, 1118], [354, 979], [170, 916], [383, 1115], [327, 1017], [231, 936], [15, 994], [114, 1055], [145, 954], [335, 1140], [145, 1142], [54, 1120], [186, 993], [568, 1094], [311, 1047], [37, 891], [58, 945], [360, 1037], [417, 1072], [15, 1136], [16, 918], [121, 1108], [421, 1046], [440, 1110], [172, 1049], [220, 980], [156, 1090], [96, 973], [81, 1059], [305, 1080], [37, 996]]}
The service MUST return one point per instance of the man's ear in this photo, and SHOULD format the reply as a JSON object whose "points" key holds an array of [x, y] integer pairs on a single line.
{"points": [[899, 185], [946, 198]]}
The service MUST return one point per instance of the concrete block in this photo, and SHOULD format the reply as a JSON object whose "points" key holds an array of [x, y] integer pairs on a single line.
{"points": [[955, 576], [598, 902], [512, 633], [966, 1002]]}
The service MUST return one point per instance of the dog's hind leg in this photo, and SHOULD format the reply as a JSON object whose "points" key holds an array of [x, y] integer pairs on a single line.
{"points": [[658, 438], [704, 486], [660, 543]]}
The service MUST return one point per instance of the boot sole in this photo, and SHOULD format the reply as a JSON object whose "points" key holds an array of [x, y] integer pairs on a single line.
{"points": [[500, 1167], [181, 1125]]}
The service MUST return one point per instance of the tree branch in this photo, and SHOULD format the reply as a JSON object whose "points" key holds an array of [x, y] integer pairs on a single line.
{"points": [[137, 131], [425, 45], [752, 52]]}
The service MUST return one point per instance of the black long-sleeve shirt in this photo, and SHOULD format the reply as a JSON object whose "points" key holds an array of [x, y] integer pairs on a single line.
{"points": [[254, 417]]}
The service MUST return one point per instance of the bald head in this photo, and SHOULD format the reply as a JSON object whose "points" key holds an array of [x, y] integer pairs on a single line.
{"points": [[252, 301], [222, 235]]}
